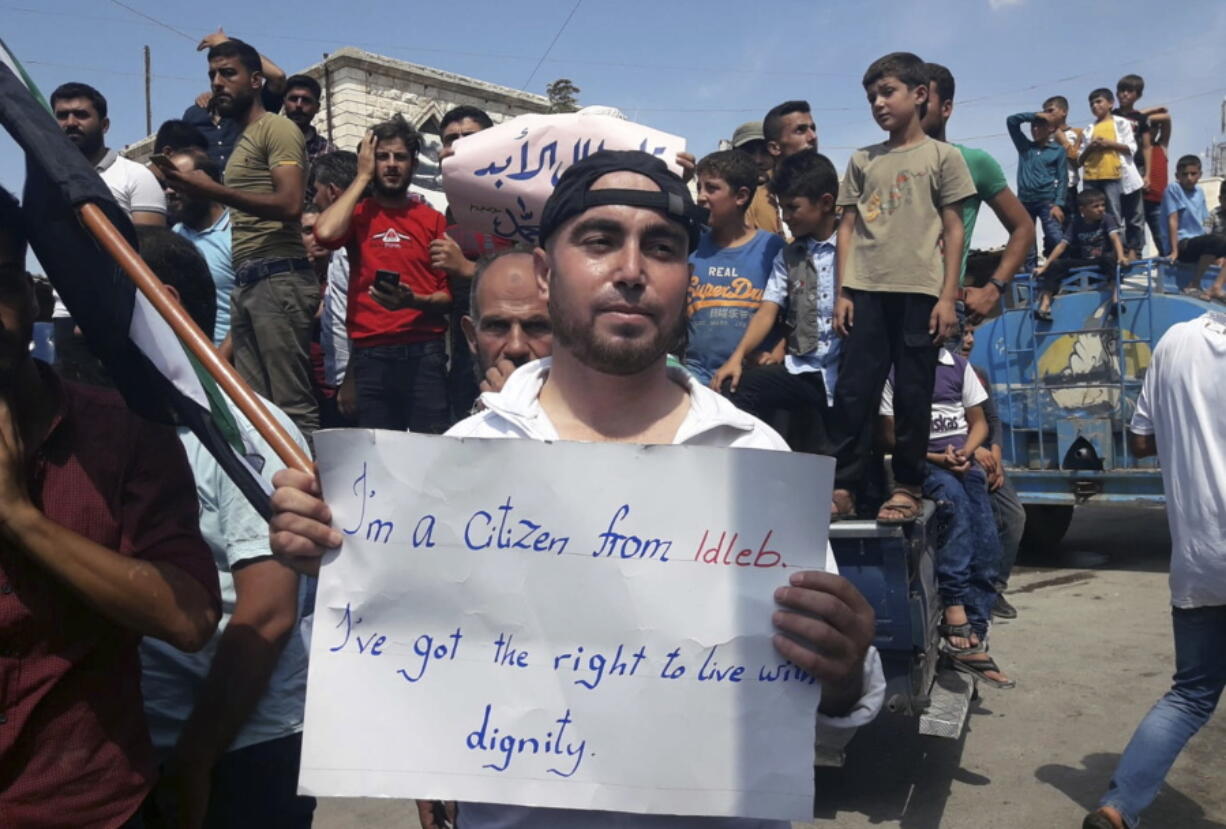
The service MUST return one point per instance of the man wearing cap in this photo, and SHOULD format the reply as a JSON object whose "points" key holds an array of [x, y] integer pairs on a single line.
{"points": [[616, 234], [763, 212]]}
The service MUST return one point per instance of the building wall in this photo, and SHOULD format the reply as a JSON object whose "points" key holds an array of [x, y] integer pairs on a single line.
{"points": [[366, 88]]}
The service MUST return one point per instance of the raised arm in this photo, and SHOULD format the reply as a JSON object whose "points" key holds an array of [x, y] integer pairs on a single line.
{"points": [[1014, 124], [332, 226]]}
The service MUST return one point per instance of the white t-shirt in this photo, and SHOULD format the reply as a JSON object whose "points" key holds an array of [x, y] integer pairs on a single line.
{"points": [[1183, 405], [134, 189]]}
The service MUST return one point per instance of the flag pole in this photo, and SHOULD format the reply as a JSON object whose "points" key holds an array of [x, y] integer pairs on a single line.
{"points": [[290, 453]]}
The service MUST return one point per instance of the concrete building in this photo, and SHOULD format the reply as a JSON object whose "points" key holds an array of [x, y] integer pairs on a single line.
{"points": [[361, 88]]}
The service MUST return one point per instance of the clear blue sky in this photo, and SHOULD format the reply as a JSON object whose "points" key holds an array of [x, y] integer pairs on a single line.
{"points": [[694, 67]]}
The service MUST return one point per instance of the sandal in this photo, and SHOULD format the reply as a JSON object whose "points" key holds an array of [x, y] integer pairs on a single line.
{"points": [[1043, 316], [842, 506], [907, 510], [980, 668], [962, 631]]}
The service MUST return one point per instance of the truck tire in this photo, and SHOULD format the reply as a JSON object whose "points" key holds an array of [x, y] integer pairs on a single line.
{"points": [[1045, 527]]}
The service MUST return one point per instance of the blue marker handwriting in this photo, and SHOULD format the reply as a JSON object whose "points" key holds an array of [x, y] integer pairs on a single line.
{"points": [[595, 666], [485, 529], [502, 749]]}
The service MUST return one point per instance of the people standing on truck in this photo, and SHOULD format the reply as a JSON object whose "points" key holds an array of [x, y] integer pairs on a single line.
{"points": [[1181, 417], [1042, 176], [896, 284], [968, 551]]}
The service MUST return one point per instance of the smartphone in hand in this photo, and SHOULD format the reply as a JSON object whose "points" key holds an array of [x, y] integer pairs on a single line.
{"points": [[387, 280]]}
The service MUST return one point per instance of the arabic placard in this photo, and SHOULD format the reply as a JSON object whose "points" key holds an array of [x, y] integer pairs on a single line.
{"points": [[565, 625], [498, 180]]}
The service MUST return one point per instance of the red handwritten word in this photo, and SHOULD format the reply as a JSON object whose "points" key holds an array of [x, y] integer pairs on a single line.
{"points": [[722, 553]]}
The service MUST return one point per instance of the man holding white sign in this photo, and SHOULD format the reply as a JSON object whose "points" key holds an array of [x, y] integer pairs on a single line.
{"points": [[617, 232]]}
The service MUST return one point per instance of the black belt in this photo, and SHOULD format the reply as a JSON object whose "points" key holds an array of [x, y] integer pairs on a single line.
{"points": [[249, 273]]}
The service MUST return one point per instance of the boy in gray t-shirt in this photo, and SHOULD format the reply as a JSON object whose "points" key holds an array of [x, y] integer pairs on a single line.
{"points": [[902, 234]]}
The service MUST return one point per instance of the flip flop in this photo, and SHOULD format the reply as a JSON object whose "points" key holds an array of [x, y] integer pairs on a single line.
{"points": [[979, 669], [909, 509], [843, 508]]}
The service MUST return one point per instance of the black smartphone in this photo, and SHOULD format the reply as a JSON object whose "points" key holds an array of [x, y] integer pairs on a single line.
{"points": [[387, 280], [162, 161]]}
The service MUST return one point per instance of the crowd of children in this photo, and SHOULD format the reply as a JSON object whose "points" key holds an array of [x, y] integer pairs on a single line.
{"points": [[848, 333]]}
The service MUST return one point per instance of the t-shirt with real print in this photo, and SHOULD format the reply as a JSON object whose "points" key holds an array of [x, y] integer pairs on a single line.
{"points": [[725, 292], [271, 141], [898, 194]]}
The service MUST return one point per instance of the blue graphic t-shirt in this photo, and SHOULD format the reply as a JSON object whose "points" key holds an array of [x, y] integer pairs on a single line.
{"points": [[725, 291]]}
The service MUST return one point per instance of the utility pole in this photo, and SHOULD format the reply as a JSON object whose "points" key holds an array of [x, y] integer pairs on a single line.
{"points": [[148, 102]]}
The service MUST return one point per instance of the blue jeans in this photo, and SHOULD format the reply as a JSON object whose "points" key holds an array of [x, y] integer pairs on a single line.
{"points": [[1113, 192], [1200, 675], [969, 551], [402, 387], [1153, 218], [1052, 231]]}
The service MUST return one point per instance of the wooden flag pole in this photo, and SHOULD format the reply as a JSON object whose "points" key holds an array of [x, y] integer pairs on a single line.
{"points": [[290, 453]]}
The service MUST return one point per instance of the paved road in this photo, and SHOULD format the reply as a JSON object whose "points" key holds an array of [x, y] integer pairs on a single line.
{"points": [[1091, 651]]}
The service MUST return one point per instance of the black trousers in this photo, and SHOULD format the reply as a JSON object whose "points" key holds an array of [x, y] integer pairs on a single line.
{"points": [[1191, 250], [1058, 271], [766, 389], [889, 331]]}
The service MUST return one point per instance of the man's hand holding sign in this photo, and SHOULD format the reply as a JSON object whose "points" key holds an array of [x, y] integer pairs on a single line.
{"points": [[559, 632]]}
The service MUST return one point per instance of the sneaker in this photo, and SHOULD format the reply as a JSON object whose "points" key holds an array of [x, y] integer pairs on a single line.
{"points": [[1100, 820], [1002, 609]]}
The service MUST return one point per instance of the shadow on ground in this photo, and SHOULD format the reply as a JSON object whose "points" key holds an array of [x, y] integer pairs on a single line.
{"points": [[1084, 786], [893, 774]]}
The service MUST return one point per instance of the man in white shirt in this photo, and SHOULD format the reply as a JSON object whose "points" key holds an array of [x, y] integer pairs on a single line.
{"points": [[81, 112], [1181, 417], [617, 233]]}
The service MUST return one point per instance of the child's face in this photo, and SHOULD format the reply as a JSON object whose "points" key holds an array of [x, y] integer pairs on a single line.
{"points": [[1126, 97], [1056, 114], [968, 341], [803, 215], [892, 103], [1094, 211], [1101, 107], [1188, 175], [717, 196], [1041, 131]]}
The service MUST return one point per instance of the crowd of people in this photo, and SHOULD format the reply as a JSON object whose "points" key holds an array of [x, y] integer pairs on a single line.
{"points": [[836, 309]]}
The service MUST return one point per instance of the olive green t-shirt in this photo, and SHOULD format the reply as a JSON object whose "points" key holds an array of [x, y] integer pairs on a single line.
{"points": [[898, 194], [272, 141]]}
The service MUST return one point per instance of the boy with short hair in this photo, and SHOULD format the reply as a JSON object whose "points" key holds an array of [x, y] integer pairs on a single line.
{"points": [[801, 285], [730, 265], [900, 243], [763, 213], [1185, 213], [1056, 110], [1128, 91], [1042, 176], [1093, 240], [1106, 154]]}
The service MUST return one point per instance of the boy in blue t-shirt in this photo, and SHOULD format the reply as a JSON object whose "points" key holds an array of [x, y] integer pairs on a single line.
{"points": [[1185, 213], [730, 265], [801, 285]]}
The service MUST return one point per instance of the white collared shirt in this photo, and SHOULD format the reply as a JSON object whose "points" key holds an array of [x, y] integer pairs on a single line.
{"points": [[516, 412]]}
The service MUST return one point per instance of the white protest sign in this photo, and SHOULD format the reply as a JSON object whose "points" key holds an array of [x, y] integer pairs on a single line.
{"points": [[498, 180], [564, 625]]}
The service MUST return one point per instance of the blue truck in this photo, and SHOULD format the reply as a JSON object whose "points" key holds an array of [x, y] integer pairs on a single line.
{"points": [[1066, 390]]}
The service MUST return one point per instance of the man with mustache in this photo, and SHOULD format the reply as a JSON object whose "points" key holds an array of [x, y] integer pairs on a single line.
{"points": [[613, 263], [276, 293], [398, 302], [508, 324]]}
